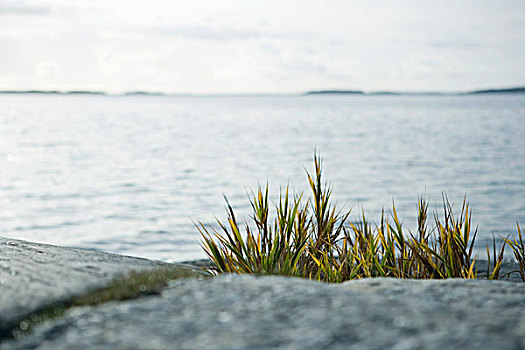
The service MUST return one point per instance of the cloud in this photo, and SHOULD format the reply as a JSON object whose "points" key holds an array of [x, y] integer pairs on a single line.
{"points": [[22, 8], [215, 33], [223, 46], [207, 33], [454, 44]]}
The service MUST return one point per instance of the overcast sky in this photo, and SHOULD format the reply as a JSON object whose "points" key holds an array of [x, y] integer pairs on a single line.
{"points": [[219, 46]]}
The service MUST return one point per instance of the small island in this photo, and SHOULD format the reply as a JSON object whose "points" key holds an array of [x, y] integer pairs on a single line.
{"points": [[517, 90], [335, 92]]}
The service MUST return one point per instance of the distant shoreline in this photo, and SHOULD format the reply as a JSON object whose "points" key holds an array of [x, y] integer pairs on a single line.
{"points": [[516, 90], [53, 92]]}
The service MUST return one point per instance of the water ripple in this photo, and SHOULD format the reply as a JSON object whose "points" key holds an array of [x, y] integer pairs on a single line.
{"points": [[130, 175]]}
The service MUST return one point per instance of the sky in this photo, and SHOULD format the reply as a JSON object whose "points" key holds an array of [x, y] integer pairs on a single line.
{"points": [[261, 46]]}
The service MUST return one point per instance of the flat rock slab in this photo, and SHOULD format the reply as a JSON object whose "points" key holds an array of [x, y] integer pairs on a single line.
{"points": [[33, 275], [248, 312]]}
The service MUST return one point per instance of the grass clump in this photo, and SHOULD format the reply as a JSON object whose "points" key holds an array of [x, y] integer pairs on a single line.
{"points": [[518, 248], [311, 238], [448, 253], [299, 241]]}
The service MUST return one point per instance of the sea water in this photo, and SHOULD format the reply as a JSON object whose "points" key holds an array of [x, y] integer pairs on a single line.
{"points": [[132, 174]]}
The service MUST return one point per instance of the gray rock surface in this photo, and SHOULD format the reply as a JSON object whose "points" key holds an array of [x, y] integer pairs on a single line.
{"points": [[248, 312], [32, 275]]}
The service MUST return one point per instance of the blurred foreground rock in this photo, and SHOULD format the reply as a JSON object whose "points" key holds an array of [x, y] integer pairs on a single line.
{"points": [[33, 275], [249, 312]]}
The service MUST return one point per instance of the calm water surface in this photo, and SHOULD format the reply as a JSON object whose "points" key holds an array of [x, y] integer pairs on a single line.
{"points": [[129, 174]]}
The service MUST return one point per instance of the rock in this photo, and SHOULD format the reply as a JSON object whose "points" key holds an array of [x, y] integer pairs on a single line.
{"points": [[33, 275], [249, 312]]}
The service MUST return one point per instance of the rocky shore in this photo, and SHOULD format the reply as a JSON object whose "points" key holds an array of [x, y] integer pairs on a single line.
{"points": [[250, 312]]}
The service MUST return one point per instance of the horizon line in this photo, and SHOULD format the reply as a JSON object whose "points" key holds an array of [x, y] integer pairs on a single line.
{"points": [[516, 89]]}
